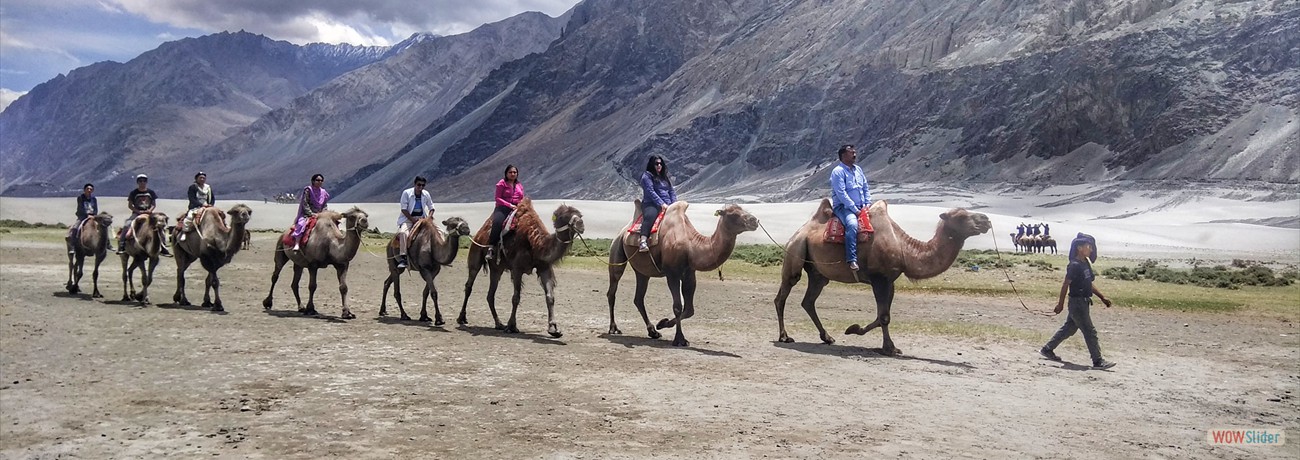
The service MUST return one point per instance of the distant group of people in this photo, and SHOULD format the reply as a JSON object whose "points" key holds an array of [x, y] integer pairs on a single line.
{"points": [[850, 198]]}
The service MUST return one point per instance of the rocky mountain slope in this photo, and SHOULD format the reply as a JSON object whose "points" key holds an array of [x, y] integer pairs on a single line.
{"points": [[751, 98], [109, 121], [748, 99]]}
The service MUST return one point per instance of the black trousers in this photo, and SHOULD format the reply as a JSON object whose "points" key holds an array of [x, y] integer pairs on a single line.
{"points": [[498, 220]]}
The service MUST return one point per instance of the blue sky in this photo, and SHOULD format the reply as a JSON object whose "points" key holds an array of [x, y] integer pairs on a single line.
{"points": [[40, 39]]}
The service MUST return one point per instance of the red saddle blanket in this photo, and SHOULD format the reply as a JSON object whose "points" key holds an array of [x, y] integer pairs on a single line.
{"points": [[835, 228], [636, 225], [287, 239]]}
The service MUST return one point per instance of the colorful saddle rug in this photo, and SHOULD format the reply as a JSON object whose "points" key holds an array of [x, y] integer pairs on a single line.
{"points": [[287, 239], [835, 228]]}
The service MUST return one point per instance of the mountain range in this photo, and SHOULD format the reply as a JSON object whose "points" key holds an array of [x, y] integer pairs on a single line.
{"points": [[747, 99]]}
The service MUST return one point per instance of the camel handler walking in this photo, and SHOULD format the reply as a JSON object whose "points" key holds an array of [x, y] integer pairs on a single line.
{"points": [[416, 203], [142, 200], [1078, 284], [201, 196]]}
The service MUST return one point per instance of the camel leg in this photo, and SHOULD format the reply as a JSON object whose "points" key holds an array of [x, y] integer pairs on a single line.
{"points": [[280, 260], [617, 263], [883, 288], [432, 294], [343, 289], [494, 279], [688, 294], [816, 282], [475, 263], [297, 278], [642, 284], [128, 290], [74, 272], [674, 288], [148, 279], [424, 297], [517, 281], [94, 276], [182, 263], [546, 277], [787, 283], [215, 284]]}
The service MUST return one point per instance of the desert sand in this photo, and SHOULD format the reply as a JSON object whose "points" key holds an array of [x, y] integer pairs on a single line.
{"points": [[101, 378]]}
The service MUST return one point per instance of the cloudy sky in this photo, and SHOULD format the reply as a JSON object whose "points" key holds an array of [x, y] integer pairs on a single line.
{"points": [[40, 39]]}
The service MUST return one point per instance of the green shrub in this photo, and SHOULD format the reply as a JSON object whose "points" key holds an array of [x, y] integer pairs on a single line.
{"points": [[11, 223], [763, 255], [1219, 276]]}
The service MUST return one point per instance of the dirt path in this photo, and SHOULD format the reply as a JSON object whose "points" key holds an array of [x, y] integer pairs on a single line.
{"points": [[92, 379]]}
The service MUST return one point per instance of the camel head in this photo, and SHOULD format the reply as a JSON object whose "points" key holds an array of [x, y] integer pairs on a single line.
{"points": [[105, 219], [158, 221], [239, 214], [961, 224], [568, 218], [736, 219], [357, 219], [456, 227]]}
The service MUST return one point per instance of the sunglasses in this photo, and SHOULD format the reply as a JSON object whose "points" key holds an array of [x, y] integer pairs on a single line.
{"points": [[419, 184]]}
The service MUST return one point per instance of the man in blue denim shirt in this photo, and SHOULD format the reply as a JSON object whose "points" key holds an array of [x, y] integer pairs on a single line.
{"points": [[849, 194]]}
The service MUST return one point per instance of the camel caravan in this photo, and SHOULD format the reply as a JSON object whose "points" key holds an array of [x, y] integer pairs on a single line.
{"points": [[1036, 238], [856, 242]]}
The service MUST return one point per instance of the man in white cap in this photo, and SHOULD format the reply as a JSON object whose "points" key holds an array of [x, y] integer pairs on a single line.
{"points": [[142, 200]]}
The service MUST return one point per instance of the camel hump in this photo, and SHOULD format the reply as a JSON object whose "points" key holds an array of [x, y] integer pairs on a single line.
{"points": [[880, 205], [678, 207]]}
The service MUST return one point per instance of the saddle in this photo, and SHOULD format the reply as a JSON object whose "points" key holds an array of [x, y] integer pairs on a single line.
{"points": [[633, 237], [287, 239], [835, 228]]}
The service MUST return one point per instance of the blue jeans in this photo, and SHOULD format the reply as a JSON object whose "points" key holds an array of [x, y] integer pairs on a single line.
{"points": [[1078, 320], [849, 218]]}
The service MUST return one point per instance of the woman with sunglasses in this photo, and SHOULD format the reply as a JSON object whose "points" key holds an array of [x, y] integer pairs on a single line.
{"points": [[508, 195], [656, 194], [313, 200]]}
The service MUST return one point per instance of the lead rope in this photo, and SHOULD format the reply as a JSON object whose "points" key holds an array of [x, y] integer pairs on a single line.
{"points": [[1012, 282]]}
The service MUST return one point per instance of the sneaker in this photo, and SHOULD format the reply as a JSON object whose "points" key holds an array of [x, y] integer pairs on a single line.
{"points": [[295, 246], [643, 247], [488, 257], [1103, 364], [853, 266], [1049, 354], [121, 249], [401, 261], [182, 238]]}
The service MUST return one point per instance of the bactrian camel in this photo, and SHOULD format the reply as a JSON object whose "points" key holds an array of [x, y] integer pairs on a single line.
{"points": [[92, 239], [890, 253], [530, 247], [141, 252], [326, 246], [427, 252], [213, 244], [676, 252]]}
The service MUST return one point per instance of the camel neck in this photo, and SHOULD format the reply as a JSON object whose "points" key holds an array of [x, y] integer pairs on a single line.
{"points": [[931, 258]]}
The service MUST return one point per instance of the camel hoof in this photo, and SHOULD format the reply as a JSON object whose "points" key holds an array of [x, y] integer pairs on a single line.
{"points": [[855, 330], [664, 324], [348, 315], [499, 327], [828, 339], [613, 330], [310, 312], [218, 307], [97, 296], [681, 342], [655, 334], [891, 352], [511, 329], [266, 303], [425, 319], [554, 332], [462, 321], [785, 339], [383, 313], [439, 322], [406, 317], [126, 298], [73, 289], [205, 304]]}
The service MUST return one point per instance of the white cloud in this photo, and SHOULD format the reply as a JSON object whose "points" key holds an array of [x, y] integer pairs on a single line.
{"points": [[8, 96], [357, 21]]}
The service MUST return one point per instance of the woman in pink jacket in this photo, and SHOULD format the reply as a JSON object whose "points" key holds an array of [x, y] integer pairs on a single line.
{"points": [[508, 195]]}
